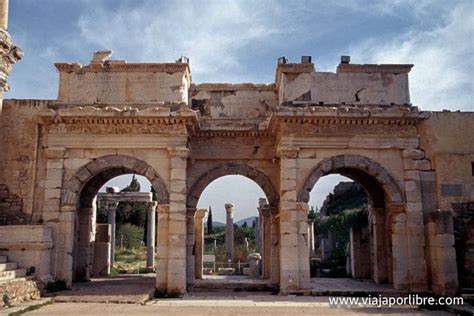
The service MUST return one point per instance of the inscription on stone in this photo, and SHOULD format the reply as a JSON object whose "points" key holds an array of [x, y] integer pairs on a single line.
{"points": [[451, 189]]}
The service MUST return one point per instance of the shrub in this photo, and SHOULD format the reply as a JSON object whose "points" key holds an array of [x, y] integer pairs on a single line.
{"points": [[129, 236]]}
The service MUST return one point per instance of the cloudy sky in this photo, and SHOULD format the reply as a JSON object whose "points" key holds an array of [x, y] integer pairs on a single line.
{"points": [[239, 41]]}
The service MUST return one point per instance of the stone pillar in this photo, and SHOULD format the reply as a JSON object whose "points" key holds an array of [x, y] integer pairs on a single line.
{"points": [[379, 246], [101, 267], [229, 232], [111, 207], [360, 253], [199, 236], [294, 256], [266, 241], [275, 246], [400, 264], [84, 247], [311, 237], [162, 248], [4, 14], [150, 235], [191, 254], [176, 284], [444, 273]]}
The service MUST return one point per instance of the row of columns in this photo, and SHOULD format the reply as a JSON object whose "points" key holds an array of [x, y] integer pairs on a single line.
{"points": [[111, 209]]}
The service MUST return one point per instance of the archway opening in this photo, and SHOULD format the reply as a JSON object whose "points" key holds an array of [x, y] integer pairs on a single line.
{"points": [[340, 238], [370, 227], [235, 241], [95, 243], [126, 198]]}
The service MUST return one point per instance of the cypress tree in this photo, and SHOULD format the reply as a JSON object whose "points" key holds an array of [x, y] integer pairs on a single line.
{"points": [[209, 221]]}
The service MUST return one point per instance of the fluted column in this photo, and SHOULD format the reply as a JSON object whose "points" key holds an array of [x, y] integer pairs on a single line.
{"points": [[150, 235], [229, 232], [199, 237]]}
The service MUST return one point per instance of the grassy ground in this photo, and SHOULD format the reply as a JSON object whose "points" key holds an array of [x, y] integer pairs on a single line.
{"points": [[130, 261]]}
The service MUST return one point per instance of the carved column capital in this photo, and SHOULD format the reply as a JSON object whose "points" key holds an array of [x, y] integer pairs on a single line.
{"points": [[201, 213], [229, 207], [9, 55]]}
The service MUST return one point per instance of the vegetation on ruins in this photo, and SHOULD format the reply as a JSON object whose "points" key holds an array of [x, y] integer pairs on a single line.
{"points": [[345, 209]]}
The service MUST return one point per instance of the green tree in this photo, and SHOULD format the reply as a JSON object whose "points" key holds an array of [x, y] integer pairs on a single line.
{"points": [[209, 221], [313, 213], [129, 236]]}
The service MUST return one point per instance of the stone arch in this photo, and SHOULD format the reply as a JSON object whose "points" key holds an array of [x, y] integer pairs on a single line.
{"points": [[88, 179], [232, 169], [370, 174]]}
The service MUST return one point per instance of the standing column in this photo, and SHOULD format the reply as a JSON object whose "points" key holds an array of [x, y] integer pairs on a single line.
{"points": [[150, 235], [199, 236], [229, 232], [266, 241], [111, 209], [311, 237], [4, 14]]}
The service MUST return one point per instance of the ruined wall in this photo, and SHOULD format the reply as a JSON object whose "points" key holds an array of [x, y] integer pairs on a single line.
{"points": [[352, 84], [446, 138], [19, 154], [117, 81], [221, 104]]}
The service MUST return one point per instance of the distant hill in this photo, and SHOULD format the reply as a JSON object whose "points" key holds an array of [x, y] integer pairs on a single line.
{"points": [[248, 220], [217, 224]]}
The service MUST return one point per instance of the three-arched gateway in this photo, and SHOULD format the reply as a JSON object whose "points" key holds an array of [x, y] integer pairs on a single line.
{"points": [[113, 118]]}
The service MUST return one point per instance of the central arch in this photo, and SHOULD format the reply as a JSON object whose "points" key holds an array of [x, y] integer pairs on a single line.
{"points": [[232, 169]]}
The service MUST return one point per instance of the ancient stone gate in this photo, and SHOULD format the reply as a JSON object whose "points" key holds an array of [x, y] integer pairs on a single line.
{"points": [[113, 118]]}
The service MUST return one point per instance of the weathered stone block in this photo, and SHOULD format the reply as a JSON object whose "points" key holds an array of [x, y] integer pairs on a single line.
{"points": [[412, 153]]}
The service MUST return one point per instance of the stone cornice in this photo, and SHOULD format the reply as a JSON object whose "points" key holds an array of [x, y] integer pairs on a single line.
{"points": [[347, 115], [232, 87], [232, 133], [126, 115], [122, 66]]}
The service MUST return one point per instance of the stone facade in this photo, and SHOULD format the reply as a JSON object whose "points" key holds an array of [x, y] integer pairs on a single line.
{"points": [[113, 117]]}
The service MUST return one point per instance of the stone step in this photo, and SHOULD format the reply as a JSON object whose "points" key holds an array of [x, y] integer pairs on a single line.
{"points": [[3, 259], [8, 266], [9, 275]]}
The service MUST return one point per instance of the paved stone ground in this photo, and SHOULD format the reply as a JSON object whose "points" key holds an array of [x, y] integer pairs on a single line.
{"points": [[260, 305], [347, 286], [122, 289]]}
